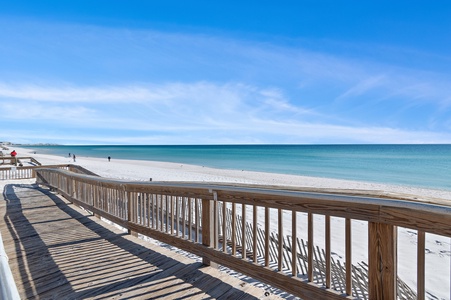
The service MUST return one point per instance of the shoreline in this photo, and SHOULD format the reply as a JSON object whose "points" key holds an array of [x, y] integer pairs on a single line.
{"points": [[144, 170], [417, 166], [438, 247]]}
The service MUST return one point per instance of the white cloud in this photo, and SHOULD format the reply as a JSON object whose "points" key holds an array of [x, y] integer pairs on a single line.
{"points": [[77, 94], [201, 112], [192, 86], [364, 86]]}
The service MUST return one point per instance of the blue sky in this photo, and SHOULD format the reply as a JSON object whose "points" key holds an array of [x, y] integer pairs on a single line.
{"points": [[225, 72]]}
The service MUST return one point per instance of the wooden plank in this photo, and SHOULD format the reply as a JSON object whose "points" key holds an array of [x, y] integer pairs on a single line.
{"points": [[328, 251], [167, 201], [177, 216], [207, 226], [233, 229], [224, 227], [216, 221], [184, 219], [243, 231], [266, 243], [254, 233], [190, 219], [431, 218], [310, 247], [100, 266], [382, 261], [348, 239], [173, 217], [434, 219], [421, 264], [294, 253], [280, 239], [197, 220]]}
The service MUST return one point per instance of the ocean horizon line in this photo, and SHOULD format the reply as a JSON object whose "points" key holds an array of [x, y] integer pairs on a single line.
{"points": [[420, 165]]}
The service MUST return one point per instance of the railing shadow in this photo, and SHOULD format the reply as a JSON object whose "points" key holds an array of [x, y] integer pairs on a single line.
{"points": [[28, 245], [72, 262]]}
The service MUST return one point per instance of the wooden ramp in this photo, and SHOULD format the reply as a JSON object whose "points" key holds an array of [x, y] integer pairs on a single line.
{"points": [[58, 251]]}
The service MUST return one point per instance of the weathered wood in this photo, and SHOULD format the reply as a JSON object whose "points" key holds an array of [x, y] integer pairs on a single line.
{"points": [[434, 219], [266, 243], [279, 237], [382, 261], [328, 251], [348, 238], [393, 212], [215, 221], [294, 253], [310, 247], [58, 251], [233, 229], [421, 265]]}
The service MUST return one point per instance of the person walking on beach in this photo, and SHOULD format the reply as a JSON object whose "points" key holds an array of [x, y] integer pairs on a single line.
{"points": [[109, 158], [73, 156]]}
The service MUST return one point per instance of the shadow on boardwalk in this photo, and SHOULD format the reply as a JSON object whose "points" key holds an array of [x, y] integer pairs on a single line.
{"points": [[58, 251]]}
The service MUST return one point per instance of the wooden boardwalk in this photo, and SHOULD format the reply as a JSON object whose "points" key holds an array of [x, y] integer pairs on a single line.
{"points": [[58, 251]]}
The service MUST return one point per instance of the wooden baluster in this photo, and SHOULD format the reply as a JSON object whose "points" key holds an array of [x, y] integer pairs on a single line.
{"points": [[421, 265], [348, 267], [310, 247], [207, 228], [280, 240], [328, 252], [254, 234], [129, 210], [224, 227], [294, 255], [197, 220], [172, 215], [216, 220], [233, 228], [184, 218], [243, 230], [382, 261], [267, 218]]}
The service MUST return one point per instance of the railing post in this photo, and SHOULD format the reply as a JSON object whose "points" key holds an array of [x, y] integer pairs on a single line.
{"points": [[382, 261], [207, 228]]}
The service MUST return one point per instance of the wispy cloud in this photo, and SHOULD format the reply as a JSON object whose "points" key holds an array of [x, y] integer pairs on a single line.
{"points": [[162, 87], [201, 112], [364, 86]]}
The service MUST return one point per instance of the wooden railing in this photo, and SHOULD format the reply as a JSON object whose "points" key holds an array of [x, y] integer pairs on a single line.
{"points": [[191, 216], [11, 160], [12, 173]]}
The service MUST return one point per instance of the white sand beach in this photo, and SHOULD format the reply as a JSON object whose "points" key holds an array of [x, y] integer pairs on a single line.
{"points": [[438, 263]]}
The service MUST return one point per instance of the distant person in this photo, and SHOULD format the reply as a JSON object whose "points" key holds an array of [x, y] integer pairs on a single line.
{"points": [[14, 154], [69, 154], [109, 158], [73, 156]]}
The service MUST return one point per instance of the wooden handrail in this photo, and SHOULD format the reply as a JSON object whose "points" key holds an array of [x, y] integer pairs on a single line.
{"points": [[150, 208], [13, 159], [27, 172]]}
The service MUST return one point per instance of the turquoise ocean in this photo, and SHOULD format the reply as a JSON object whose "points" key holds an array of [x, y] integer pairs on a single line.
{"points": [[412, 165]]}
